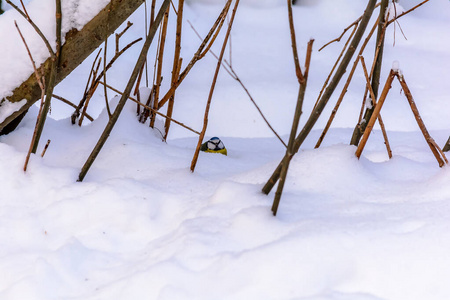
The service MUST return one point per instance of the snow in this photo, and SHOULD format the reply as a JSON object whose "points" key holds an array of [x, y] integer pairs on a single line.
{"points": [[7, 108], [142, 226]]}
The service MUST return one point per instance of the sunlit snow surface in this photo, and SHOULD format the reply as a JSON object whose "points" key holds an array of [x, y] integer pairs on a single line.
{"points": [[142, 226]]}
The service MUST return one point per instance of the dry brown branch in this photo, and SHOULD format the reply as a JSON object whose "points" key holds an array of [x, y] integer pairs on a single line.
{"points": [[211, 92], [177, 61], [375, 73], [375, 114], [90, 93], [119, 35], [308, 58], [290, 151], [25, 10], [298, 70], [380, 120], [437, 152], [159, 77]]}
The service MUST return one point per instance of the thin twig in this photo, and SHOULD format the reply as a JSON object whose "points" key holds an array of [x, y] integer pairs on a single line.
{"points": [[406, 12], [338, 39], [119, 35], [176, 64], [41, 83], [298, 70], [211, 91], [36, 28], [437, 152], [335, 65], [52, 81], [45, 148], [64, 100]]}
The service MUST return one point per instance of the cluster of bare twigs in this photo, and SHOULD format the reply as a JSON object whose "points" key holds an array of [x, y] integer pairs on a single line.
{"points": [[372, 83], [95, 77], [149, 108]]}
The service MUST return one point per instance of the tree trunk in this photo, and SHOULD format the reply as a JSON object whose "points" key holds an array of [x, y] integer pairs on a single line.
{"points": [[78, 46]]}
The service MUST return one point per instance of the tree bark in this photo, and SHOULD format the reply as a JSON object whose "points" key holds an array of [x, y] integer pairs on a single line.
{"points": [[78, 46]]}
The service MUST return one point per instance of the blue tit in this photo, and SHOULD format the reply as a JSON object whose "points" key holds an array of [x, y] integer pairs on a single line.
{"points": [[214, 145]]}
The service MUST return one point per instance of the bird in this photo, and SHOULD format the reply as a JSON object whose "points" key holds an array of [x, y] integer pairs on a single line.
{"points": [[214, 145]]}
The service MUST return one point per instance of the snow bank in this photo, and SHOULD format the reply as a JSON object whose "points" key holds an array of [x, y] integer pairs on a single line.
{"points": [[142, 226]]}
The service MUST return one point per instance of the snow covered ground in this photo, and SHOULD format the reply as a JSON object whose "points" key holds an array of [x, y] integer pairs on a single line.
{"points": [[142, 226]]}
